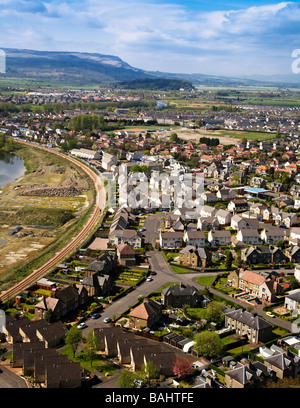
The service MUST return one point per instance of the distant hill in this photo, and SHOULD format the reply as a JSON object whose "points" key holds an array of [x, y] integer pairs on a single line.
{"points": [[156, 84], [68, 67], [81, 68]]}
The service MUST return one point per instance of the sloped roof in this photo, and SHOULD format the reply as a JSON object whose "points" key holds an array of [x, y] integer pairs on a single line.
{"points": [[145, 310], [248, 319]]}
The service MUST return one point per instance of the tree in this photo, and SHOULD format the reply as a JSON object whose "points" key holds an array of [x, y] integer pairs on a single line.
{"points": [[228, 260], [149, 371], [208, 344], [182, 368], [214, 312], [91, 347], [49, 317], [127, 380], [73, 338]]}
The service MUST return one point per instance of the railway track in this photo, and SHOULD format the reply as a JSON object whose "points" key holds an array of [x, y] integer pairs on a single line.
{"points": [[75, 241]]}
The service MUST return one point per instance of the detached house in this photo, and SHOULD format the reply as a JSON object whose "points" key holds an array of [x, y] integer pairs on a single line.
{"points": [[180, 295], [145, 315]]}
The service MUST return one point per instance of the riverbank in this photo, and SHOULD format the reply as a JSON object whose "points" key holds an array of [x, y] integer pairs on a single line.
{"points": [[44, 219]]}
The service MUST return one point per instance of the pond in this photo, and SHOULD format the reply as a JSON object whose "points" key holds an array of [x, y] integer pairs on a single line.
{"points": [[11, 168]]}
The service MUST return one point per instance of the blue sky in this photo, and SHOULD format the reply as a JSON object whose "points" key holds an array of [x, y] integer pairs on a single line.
{"points": [[233, 38]]}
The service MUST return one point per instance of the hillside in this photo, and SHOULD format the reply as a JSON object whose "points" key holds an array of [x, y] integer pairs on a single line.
{"points": [[83, 69], [68, 67]]}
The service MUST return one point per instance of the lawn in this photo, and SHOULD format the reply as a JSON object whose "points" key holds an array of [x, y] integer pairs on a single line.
{"points": [[205, 280], [180, 269], [196, 313], [238, 350], [99, 364]]}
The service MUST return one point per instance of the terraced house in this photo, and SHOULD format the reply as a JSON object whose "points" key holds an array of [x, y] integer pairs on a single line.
{"points": [[246, 324]]}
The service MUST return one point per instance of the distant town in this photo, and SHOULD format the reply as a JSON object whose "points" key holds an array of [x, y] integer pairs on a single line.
{"points": [[153, 239]]}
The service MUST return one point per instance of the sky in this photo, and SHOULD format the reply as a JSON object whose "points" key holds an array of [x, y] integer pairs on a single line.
{"points": [[233, 38]]}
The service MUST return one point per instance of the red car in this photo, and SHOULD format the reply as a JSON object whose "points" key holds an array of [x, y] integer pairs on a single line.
{"points": [[153, 273]]}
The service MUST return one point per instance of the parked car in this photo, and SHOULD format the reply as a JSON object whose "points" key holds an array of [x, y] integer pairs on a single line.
{"points": [[82, 326], [107, 320], [258, 301], [153, 273], [149, 279], [270, 314], [96, 315]]}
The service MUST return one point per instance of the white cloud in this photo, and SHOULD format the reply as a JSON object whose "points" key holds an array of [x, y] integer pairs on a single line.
{"points": [[153, 35]]}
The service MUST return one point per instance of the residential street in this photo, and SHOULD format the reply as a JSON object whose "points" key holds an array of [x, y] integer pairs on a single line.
{"points": [[164, 276]]}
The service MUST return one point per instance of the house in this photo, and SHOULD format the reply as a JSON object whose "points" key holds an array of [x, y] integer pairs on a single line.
{"points": [[253, 327], [293, 254], [131, 237], [238, 205], [171, 239], [248, 236], [292, 300], [195, 257], [207, 211], [241, 223], [179, 295], [126, 255], [137, 353], [28, 331], [272, 235], [62, 301], [250, 282], [52, 334], [108, 161], [163, 361], [125, 345], [283, 364], [219, 238], [233, 279], [194, 238], [223, 217], [11, 329], [145, 315], [208, 223], [226, 193], [86, 154], [251, 375]]}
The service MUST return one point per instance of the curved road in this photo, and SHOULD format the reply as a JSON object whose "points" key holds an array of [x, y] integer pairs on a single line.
{"points": [[164, 276], [75, 241]]}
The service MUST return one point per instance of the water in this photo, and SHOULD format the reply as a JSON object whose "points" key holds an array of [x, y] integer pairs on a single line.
{"points": [[160, 104], [11, 168]]}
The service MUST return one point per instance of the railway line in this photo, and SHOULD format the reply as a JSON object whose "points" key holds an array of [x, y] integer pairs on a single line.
{"points": [[75, 241]]}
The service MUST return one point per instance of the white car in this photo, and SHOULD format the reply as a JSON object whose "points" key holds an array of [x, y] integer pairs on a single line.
{"points": [[81, 326], [149, 279], [107, 320]]}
